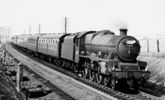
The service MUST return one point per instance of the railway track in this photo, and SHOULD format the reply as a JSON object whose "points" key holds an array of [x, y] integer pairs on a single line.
{"points": [[100, 88], [62, 94]]}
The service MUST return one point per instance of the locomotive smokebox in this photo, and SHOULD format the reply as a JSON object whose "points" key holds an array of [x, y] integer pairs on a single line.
{"points": [[123, 31]]}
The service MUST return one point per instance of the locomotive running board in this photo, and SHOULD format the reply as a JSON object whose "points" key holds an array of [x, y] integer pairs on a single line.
{"points": [[97, 59]]}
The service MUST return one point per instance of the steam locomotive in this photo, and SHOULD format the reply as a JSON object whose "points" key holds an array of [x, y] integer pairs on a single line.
{"points": [[100, 56]]}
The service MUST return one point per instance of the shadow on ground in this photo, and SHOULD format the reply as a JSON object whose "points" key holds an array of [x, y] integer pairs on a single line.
{"points": [[36, 94]]}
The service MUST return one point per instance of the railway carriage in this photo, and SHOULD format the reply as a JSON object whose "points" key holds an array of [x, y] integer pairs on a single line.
{"points": [[48, 45], [32, 43], [22, 41], [25, 38], [14, 39]]}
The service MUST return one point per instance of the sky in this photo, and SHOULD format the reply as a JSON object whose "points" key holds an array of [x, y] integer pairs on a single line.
{"points": [[143, 18]]}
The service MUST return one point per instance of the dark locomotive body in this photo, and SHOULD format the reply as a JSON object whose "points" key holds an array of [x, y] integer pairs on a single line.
{"points": [[100, 56]]}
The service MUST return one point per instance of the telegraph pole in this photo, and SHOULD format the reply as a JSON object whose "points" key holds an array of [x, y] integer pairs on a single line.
{"points": [[8, 33], [0, 39], [29, 29], [65, 25], [24, 32], [39, 28]]}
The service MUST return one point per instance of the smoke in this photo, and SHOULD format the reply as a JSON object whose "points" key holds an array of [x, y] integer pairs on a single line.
{"points": [[118, 23]]}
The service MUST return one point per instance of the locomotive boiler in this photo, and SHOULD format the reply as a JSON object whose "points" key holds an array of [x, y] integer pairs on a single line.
{"points": [[105, 43]]}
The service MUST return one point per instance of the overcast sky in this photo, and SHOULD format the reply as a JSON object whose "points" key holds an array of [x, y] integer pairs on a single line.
{"points": [[142, 17]]}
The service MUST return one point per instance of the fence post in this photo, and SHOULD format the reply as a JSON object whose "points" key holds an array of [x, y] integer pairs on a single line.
{"points": [[147, 45], [158, 45], [19, 76]]}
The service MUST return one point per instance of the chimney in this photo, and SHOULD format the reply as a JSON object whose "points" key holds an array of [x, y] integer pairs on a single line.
{"points": [[123, 31]]}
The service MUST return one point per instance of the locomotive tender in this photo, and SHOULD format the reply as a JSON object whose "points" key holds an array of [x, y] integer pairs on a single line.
{"points": [[100, 56]]}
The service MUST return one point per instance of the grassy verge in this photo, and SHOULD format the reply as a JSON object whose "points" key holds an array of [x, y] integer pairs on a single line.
{"points": [[7, 90]]}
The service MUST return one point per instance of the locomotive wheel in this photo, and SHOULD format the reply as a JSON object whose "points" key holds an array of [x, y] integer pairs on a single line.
{"points": [[92, 75], [106, 81], [85, 73], [68, 65], [63, 63], [136, 85], [50, 59], [75, 68], [99, 78], [113, 83], [58, 62], [143, 82]]}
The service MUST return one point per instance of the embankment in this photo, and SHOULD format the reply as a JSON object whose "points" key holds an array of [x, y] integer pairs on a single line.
{"points": [[156, 64]]}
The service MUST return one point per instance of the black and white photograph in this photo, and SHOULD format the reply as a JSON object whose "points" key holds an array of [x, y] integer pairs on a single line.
{"points": [[82, 50]]}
